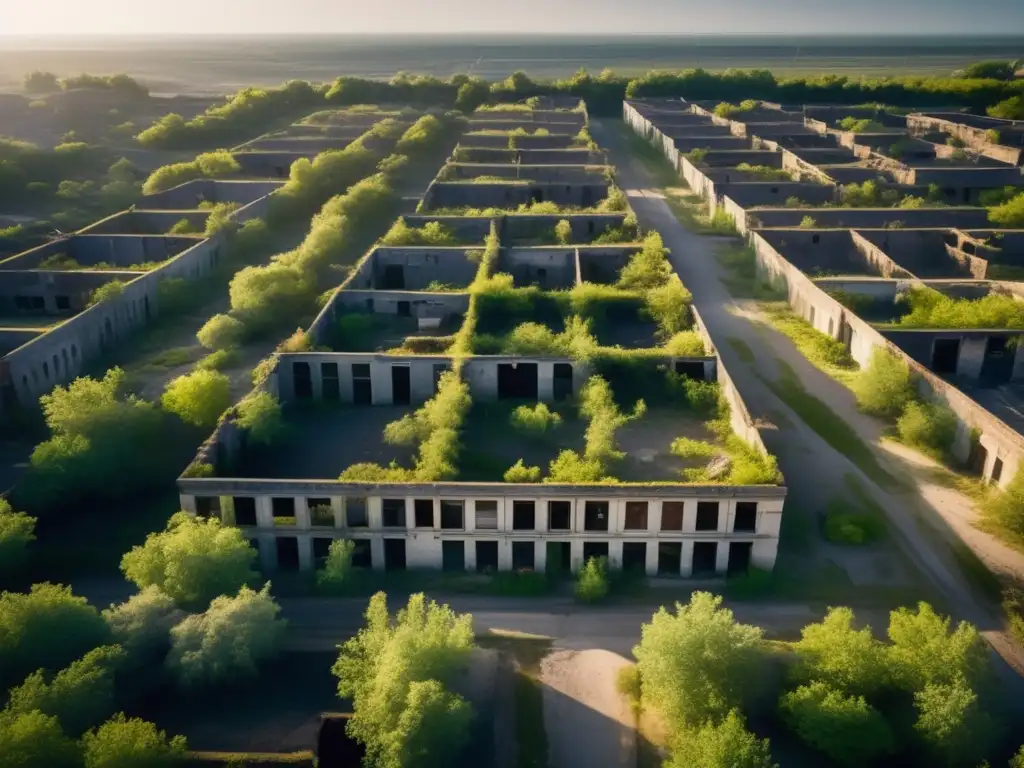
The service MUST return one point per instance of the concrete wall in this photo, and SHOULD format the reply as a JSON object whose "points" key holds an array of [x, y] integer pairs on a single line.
{"points": [[52, 292], [117, 250], [775, 193], [192, 193], [12, 338], [501, 141], [974, 136], [585, 226], [920, 345], [539, 173], [577, 156], [860, 218], [511, 195], [547, 267], [143, 222], [269, 165], [420, 266], [922, 253], [827, 315], [297, 144], [481, 373], [421, 374], [423, 546]]}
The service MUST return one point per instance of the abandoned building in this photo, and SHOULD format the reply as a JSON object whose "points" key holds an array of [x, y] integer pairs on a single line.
{"points": [[384, 343]]}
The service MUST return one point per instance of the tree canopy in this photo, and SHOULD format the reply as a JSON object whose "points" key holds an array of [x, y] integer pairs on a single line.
{"points": [[725, 745], [835, 653], [35, 740], [17, 531], [198, 398], [124, 742]]}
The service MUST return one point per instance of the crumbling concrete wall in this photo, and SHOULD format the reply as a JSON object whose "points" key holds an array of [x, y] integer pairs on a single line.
{"points": [[52, 293], [296, 144], [512, 195], [561, 141], [269, 165], [859, 218], [420, 266], [419, 304], [972, 130], [573, 156], [538, 173], [192, 193], [423, 372], [548, 267], [481, 374], [145, 222]]}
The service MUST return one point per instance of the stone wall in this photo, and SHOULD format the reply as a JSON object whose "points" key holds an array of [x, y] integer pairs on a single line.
{"points": [[192, 193], [512, 195]]}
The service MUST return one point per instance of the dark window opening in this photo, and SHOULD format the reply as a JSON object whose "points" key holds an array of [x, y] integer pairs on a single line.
{"points": [[287, 553], [594, 549], [558, 557], [330, 382], [321, 548], [562, 386], [739, 557], [394, 554], [321, 514], [63, 302], [362, 387], [393, 513], [523, 555], [559, 514], [595, 516], [945, 356], [517, 381], [245, 511], [670, 558], [453, 555], [401, 388], [705, 555], [423, 512], [636, 516], [355, 513], [487, 515], [997, 470], [746, 517], [302, 379], [404, 309], [523, 517], [672, 515], [394, 277], [451, 514], [634, 556], [691, 369], [707, 515], [486, 556], [284, 510], [362, 554], [208, 506]]}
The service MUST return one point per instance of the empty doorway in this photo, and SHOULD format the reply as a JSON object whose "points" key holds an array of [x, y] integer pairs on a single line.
{"points": [[362, 388], [705, 555], [517, 381], [997, 366], [401, 390], [562, 387], [945, 356], [394, 277], [739, 557]]}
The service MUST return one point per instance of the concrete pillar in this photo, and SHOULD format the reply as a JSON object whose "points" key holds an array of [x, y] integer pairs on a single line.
{"points": [[689, 516], [763, 553], [686, 558], [410, 513], [540, 556], [305, 552], [504, 554], [972, 355], [187, 502], [316, 374], [1018, 364], [722, 560], [615, 553], [377, 553], [264, 512], [302, 519], [374, 514], [540, 515], [726, 516], [470, 554], [576, 554], [338, 507], [546, 382], [651, 564]]}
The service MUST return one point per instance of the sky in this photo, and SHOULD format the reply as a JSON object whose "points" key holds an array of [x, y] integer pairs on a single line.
{"points": [[664, 17]]}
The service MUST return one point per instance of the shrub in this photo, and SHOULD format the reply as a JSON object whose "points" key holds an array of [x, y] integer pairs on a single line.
{"points": [[337, 571], [394, 671], [192, 561], [563, 232], [209, 165], [520, 473], [107, 292], [130, 742], [869, 194], [219, 360], [1009, 214], [615, 201], [260, 414], [142, 625], [79, 696], [685, 448], [592, 581], [685, 344], [198, 398], [834, 653], [649, 268], [931, 309], [808, 222], [765, 172], [668, 305], [725, 745], [432, 233], [696, 663], [951, 723], [928, 426], [538, 418], [47, 628], [35, 740], [17, 531], [924, 651], [855, 125], [842, 727], [884, 387], [425, 132], [1009, 109], [227, 642]]}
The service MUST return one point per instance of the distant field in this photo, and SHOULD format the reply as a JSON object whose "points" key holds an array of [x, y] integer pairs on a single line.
{"points": [[217, 65]]}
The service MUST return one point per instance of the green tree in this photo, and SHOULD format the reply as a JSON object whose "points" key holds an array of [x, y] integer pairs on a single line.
{"points": [[842, 727], [1010, 109], [925, 651], [954, 728], [930, 427], [472, 94], [994, 69], [592, 581], [79, 696], [835, 653], [221, 332], [41, 82], [17, 531], [563, 232], [131, 743], [725, 745], [198, 398], [1010, 214], [142, 625], [260, 413], [1017, 761], [884, 387], [336, 574], [192, 560], [394, 671], [696, 663], [35, 740], [227, 642], [47, 628]]}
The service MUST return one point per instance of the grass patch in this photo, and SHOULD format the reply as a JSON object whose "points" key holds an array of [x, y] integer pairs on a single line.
{"points": [[654, 161], [741, 348], [854, 518], [830, 427], [168, 358], [820, 349], [740, 273]]}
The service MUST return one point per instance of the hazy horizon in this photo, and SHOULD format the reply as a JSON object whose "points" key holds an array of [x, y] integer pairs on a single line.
{"points": [[57, 18]]}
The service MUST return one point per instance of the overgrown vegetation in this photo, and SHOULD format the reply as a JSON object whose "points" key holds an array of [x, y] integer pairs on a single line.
{"points": [[209, 165], [930, 309]]}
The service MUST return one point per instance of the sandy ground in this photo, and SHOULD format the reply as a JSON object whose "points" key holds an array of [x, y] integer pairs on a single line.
{"points": [[589, 724]]}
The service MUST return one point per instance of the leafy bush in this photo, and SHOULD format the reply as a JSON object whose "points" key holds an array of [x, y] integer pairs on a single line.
{"points": [[685, 344], [221, 332], [834, 653], [764, 172], [869, 194], [695, 664], [884, 387], [520, 473], [79, 696], [725, 745], [733, 110], [227, 642], [931, 309], [394, 671], [924, 651], [432, 233], [47, 628], [563, 232], [951, 723], [336, 574], [668, 305], [424, 133], [685, 448], [844, 728], [260, 414], [648, 268], [17, 531], [929, 426], [107, 292], [1009, 214], [35, 740], [539, 418], [808, 222], [142, 625], [865, 125], [198, 398], [209, 165], [1009, 109], [192, 561], [592, 581], [128, 742]]}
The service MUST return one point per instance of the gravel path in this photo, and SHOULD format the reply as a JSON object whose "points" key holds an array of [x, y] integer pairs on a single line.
{"points": [[589, 724]]}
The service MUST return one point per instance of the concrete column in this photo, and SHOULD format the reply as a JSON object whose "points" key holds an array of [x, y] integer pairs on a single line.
{"points": [[1018, 364], [316, 374], [540, 515], [302, 519], [726, 516], [722, 561], [377, 553], [616, 516], [546, 382], [615, 553], [504, 554], [374, 514], [686, 558], [651, 563], [305, 552], [338, 507], [763, 553], [540, 556], [654, 516], [576, 554], [410, 514], [470, 554], [972, 355], [187, 502], [689, 516], [264, 512]]}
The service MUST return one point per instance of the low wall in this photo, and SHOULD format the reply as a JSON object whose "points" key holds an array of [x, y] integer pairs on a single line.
{"points": [[192, 193], [501, 141], [145, 222], [539, 173], [859, 218], [60, 292], [269, 165], [974, 136], [449, 194], [425, 304], [296, 144]]}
